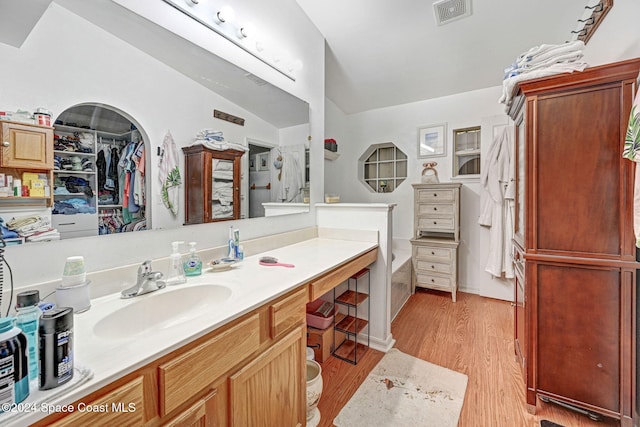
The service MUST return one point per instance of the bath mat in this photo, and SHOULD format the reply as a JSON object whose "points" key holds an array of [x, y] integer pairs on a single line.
{"points": [[405, 391]]}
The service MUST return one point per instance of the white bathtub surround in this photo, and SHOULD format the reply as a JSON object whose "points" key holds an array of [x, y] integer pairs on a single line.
{"points": [[272, 208], [251, 286], [369, 216], [401, 271]]}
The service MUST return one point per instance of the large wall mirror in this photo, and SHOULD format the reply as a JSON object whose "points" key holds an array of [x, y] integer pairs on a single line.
{"points": [[103, 60]]}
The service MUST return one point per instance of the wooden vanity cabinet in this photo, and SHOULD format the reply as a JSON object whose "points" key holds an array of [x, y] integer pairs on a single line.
{"points": [[237, 375], [575, 312], [212, 184]]}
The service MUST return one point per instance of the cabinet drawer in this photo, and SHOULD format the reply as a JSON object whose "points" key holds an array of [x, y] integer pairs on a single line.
{"points": [[435, 209], [78, 222], [434, 254], [432, 266], [438, 195], [427, 223], [433, 281], [123, 407], [288, 312], [209, 360]]}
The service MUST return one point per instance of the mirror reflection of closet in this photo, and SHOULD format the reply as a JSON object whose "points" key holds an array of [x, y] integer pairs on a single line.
{"points": [[99, 172]]}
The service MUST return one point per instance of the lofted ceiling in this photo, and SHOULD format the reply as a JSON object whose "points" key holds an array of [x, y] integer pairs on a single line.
{"points": [[381, 53]]}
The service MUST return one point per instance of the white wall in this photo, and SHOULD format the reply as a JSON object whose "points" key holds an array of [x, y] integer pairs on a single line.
{"points": [[400, 125], [67, 60], [617, 39]]}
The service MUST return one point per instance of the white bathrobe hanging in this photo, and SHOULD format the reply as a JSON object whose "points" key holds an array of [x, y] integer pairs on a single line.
{"points": [[497, 203]]}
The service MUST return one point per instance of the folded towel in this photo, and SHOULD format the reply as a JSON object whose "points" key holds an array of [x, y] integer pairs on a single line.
{"points": [[564, 58], [547, 50], [508, 85]]}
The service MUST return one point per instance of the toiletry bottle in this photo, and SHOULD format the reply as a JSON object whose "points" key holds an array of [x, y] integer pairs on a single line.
{"points": [[56, 347], [27, 319], [176, 269], [231, 242], [193, 263], [236, 243], [14, 375]]}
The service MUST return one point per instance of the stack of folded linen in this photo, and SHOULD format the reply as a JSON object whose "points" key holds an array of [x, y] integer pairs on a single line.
{"points": [[33, 227], [215, 140], [541, 61]]}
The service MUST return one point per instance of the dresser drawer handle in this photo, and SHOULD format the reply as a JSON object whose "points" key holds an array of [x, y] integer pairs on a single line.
{"points": [[433, 281], [435, 194], [433, 253], [435, 209], [435, 222], [433, 267]]}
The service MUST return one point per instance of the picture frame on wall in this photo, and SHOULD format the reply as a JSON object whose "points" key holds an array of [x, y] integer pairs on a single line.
{"points": [[432, 141], [262, 161]]}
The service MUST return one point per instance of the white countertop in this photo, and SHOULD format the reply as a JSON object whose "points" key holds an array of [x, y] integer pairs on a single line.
{"points": [[251, 284]]}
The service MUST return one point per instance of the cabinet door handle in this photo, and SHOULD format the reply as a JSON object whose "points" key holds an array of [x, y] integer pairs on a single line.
{"points": [[5, 143]]}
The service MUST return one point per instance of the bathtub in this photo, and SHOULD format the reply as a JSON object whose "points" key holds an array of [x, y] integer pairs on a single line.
{"points": [[400, 275]]}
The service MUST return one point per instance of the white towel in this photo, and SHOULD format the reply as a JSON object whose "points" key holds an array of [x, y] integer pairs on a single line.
{"points": [[169, 174]]}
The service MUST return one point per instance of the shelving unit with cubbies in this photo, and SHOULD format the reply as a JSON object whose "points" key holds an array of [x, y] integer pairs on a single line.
{"points": [[350, 320], [75, 154]]}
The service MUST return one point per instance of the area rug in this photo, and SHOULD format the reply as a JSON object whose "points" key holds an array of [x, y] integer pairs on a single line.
{"points": [[405, 391]]}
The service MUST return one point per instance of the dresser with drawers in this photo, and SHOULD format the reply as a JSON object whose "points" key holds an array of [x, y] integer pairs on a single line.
{"points": [[436, 236]]}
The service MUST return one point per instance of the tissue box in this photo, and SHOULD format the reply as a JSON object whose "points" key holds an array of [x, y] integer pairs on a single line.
{"points": [[36, 189], [27, 177]]}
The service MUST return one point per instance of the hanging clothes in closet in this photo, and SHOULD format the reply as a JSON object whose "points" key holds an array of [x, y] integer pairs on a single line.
{"points": [[121, 186]]}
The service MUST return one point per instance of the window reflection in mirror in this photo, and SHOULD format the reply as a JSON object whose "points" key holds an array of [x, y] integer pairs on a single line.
{"points": [[99, 172]]}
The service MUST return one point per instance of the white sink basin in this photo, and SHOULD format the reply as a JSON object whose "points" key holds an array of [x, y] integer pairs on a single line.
{"points": [[161, 310]]}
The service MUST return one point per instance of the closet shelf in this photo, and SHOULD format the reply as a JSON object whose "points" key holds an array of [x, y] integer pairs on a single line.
{"points": [[74, 153], [60, 171], [109, 206]]}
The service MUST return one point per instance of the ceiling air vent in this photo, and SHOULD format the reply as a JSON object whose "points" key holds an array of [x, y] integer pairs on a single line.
{"points": [[449, 10]]}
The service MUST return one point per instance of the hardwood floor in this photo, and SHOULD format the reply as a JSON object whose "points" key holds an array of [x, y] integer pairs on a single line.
{"points": [[473, 336]]}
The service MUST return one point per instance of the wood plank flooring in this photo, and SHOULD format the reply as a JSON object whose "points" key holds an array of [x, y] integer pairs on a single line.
{"points": [[473, 336]]}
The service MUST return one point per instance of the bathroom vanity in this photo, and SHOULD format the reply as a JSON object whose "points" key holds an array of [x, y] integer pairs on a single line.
{"points": [[237, 359]]}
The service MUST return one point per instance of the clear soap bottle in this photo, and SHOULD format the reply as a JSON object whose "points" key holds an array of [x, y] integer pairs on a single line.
{"points": [[193, 263], [176, 269], [27, 319]]}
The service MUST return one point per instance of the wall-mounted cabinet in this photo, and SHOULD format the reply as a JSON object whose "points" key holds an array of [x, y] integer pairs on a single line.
{"points": [[212, 184], [26, 148]]}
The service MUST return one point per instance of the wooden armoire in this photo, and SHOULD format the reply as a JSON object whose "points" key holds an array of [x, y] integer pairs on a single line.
{"points": [[212, 184], [574, 247]]}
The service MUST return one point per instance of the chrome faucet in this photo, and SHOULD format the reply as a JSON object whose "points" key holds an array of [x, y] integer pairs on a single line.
{"points": [[148, 281]]}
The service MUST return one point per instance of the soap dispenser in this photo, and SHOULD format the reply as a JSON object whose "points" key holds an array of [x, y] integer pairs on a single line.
{"points": [[176, 269], [193, 263]]}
